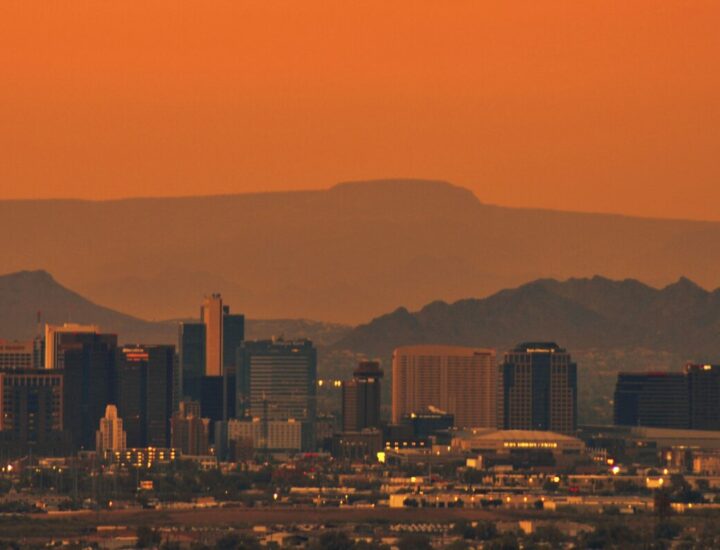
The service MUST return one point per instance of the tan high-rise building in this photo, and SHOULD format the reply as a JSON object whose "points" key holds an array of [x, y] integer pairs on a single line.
{"points": [[110, 436], [460, 381], [212, 316]]}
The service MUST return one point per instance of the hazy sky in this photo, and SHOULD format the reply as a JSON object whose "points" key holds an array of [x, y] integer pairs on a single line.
{"points": [[582, 105]]}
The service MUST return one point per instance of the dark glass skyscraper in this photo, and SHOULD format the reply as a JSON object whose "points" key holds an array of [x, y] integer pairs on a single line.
{"points": [[361, 398], [144, 393], [539, 388], [704, 396], [233, 336], [89, 368], [191, 353], [653, 399]]}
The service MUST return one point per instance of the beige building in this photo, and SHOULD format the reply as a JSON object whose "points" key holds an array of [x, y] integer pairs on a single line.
{"points": [[190, 432], [212, 316], [273, 435], [17, 355], [110, 436], [492, 442], [458, 380]]}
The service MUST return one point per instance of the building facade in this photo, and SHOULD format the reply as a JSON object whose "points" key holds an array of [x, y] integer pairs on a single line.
{"points": [[361, 398], [59, 338], [110, 436], [190, 432], [31, 408], [212, 316], [144, 393], [703, 396], [18, 355], [277, 380], [460, 381], [652, 399], [208, 355], [89, 374], [191, 353], [270, 436], [538, 389]]}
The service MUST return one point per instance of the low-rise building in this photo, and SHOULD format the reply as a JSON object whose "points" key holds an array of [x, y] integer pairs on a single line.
{"points": [[522, 447], [268, 435]]}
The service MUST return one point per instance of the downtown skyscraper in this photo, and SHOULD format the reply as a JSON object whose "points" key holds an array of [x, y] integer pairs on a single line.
{"points": [[208, 354], [88, 360], [361, 398], [457, 380], [276, 381], [144, 393], [538, 389]]}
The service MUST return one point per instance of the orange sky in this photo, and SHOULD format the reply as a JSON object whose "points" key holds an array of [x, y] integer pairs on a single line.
{"points": [[582, 105]]}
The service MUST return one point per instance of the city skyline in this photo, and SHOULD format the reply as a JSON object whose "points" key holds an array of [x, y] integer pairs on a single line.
{"points": [[472, 251]]}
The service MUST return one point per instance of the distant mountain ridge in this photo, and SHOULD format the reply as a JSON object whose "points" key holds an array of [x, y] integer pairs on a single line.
{"points": [[579, 313], [345, 254], [25, 294]]}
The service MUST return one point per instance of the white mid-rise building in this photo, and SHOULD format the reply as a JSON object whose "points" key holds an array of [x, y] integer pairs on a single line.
{"points": [[110, 436]]}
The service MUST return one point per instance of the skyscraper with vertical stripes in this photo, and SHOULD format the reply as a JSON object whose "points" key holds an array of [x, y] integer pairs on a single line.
{"points": [[458, 380]]}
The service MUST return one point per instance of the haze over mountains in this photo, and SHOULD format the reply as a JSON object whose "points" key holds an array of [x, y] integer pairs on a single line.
{"points": [[580, 314], [346, 254], [25, 294]]}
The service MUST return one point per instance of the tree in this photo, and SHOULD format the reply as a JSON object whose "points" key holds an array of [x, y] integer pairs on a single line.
{"points": [[485, 530], [234, 541], [334, 540], [507, 542], [663, 504], [550, 486], [414, 541], [148, 537], [548, 533], [613, 535], [668, 530]]}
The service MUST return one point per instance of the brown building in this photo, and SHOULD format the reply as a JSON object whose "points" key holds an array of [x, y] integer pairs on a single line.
{"points": [[190, 432], [357, 445], [361, 398], [460, 381], [31, 406], [17, 355]]}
